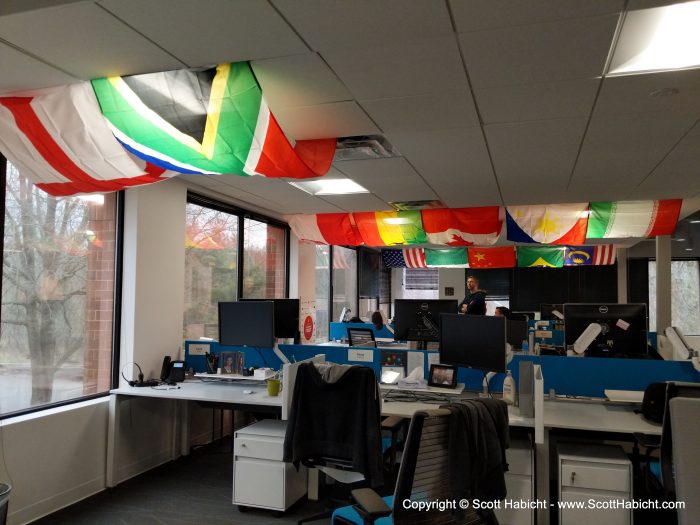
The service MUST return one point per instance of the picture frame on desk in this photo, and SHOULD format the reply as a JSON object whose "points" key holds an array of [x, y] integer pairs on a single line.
{"points": [[228, 363], [444, 376]]}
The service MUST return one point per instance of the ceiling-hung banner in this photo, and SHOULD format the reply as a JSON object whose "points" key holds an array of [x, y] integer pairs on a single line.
{"points": [[540, 256], [58, 139], [390, 228], [213, 121], [548, 224], [499, 257], [404, 258], [616, 220], [462, 226], [446, 257], [603, 254], [325, 228]]}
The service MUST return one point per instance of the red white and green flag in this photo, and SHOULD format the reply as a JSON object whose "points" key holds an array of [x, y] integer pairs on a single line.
{"points": [[462, 226], [616, 220], [206, 122]]}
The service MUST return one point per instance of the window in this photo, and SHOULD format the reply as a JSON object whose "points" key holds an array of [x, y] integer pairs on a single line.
{"points": [[323, 278], [264, 256], [344, 281], [57, 296], [420, 283], [685, 296], [211, 262]]}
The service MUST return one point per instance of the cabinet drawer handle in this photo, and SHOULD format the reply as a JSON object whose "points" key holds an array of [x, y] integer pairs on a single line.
{"points": [[242, 445], [573, 475]]}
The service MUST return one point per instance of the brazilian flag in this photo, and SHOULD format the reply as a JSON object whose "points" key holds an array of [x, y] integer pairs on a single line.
{"points": [[541, 256]]}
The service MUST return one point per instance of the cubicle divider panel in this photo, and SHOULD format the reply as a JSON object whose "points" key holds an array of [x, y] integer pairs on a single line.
{"points": [[339, 331], [256, 357]]}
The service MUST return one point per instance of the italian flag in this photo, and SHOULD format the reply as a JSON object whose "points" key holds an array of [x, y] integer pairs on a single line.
{"points": [[616, 220]]}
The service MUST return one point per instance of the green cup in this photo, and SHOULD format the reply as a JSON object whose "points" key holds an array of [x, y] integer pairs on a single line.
{"points": [[273, 387]]}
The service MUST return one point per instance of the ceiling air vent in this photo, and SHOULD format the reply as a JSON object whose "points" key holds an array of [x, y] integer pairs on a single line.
{"points": [[416, 205], [364, 147]]}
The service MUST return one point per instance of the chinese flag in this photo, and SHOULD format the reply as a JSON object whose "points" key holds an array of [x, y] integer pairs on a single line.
{"points": [[492, 257]]}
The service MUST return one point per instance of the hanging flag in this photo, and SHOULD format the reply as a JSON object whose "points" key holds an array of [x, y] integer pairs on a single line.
{"points": [[58, 139], [548, 224], [206, 122], [446, 257], [545, 256], [325, 228], [389, 228], [604, 254], [492, 257], [406, 258], [616, 220], [462, 226], [579, 255]]}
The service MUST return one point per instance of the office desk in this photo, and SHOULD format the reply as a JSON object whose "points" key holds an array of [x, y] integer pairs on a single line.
{"points": [[596, 417]]}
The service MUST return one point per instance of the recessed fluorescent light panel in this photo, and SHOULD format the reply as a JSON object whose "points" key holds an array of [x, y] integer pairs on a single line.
{"points": [[330, 187], [658, 39]]}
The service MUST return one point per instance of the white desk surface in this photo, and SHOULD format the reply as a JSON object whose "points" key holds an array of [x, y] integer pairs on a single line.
{"points": [[598, 417], [401, 409], [208, 391]]}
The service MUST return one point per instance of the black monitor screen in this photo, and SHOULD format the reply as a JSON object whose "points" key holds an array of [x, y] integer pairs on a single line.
{"points": [[248, 323], [286, 316], [419, 319], [623, 328], [473, 341], [547, 311], [516, 332]]}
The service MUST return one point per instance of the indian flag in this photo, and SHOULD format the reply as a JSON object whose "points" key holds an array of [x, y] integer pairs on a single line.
{"points": [[206, 122], [389, 228], [616, 220]]}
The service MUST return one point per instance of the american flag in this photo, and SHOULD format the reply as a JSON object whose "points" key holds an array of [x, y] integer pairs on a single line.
{"points": [[604, 254], [406, 258]]}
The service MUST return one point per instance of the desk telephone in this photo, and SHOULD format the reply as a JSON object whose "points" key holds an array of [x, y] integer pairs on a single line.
{"points": [[172, 371]]}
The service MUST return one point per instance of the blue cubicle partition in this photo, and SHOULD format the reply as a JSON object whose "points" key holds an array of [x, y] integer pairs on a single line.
{"points": [[339, 331], [575, 376]]}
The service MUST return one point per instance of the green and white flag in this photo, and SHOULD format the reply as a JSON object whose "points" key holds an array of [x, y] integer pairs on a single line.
{"points": [[446, 257]]}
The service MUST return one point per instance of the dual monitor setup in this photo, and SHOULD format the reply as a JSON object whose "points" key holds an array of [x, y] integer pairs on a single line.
{"points": [[258, 322]]}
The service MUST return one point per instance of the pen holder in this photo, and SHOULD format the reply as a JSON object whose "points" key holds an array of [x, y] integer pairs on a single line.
{"points": [[273, 387]]}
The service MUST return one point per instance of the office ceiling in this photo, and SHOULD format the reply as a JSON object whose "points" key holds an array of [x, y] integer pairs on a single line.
{"points": [[488, 102]]}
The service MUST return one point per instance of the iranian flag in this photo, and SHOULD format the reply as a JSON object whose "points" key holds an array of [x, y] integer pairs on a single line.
{"points": [[616, 220], [492, 257], [325, 228], [462, 226], [206, 122]]}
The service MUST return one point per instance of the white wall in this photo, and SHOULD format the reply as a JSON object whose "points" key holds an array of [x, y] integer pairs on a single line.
{"points": [[454, 278]]}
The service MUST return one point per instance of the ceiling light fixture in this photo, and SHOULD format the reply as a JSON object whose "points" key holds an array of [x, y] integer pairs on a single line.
{"points": [[658, 39], [696, 221], [330, 187]]}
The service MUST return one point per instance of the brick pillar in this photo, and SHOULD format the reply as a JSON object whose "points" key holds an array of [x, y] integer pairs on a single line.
{"points": [[99, 300]]}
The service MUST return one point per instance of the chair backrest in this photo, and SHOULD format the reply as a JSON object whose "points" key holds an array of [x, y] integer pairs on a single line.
{"points": [[685, 428], [673, 390]]}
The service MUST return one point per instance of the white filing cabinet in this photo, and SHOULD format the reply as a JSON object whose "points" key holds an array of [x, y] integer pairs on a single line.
{"points": [[519, 483], [597, 476], [260, 477]]}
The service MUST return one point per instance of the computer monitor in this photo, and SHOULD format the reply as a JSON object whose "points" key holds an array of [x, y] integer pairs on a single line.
{"points": [[419, 319], [623, 328], [473, 341], [361, 337], [516, 332], [247, 323], [286, 316], [547, 312]]}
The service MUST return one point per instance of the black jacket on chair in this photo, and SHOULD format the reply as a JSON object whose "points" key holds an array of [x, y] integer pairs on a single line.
{"points": [[339, 420]]}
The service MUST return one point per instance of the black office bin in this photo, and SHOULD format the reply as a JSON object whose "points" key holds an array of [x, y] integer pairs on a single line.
{"points": [[5, 490]]}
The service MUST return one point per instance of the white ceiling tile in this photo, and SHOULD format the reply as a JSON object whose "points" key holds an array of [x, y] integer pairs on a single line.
{"points": [[564, 50], [339, 24], [222, 30], [298, 80], [539, 155], [475, 15], [389, 179], [542, 101], [114, 48], [620, 151], [633, 5], [664, 91], [338, 119], [454, 162], [400, 69], [358, 202], [27, 73], [452, 109]]}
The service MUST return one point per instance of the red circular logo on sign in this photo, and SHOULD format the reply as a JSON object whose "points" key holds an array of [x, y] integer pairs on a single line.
{"points": [[308, 327]]}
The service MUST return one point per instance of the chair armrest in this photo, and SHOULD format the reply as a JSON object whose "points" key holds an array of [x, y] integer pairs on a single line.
{"points": [[370, 506], [392, 422], [647, 440]]}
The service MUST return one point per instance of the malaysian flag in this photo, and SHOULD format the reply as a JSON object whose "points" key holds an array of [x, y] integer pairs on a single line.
{"points": [[407, 258]]}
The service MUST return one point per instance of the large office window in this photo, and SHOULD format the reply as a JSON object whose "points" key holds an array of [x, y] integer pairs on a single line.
{"points": [[57, 313], [344, 281], [685, 296], [264, 260], [323, 281], [420, 283]]}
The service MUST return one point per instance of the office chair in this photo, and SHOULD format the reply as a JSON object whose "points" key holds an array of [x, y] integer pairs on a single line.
{"points": [[685, 428], [334, 424], [423, 476]]}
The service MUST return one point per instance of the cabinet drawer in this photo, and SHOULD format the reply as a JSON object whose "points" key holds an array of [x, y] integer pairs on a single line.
{"points": [[259, 483], [264, 447], [601, 476]]}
